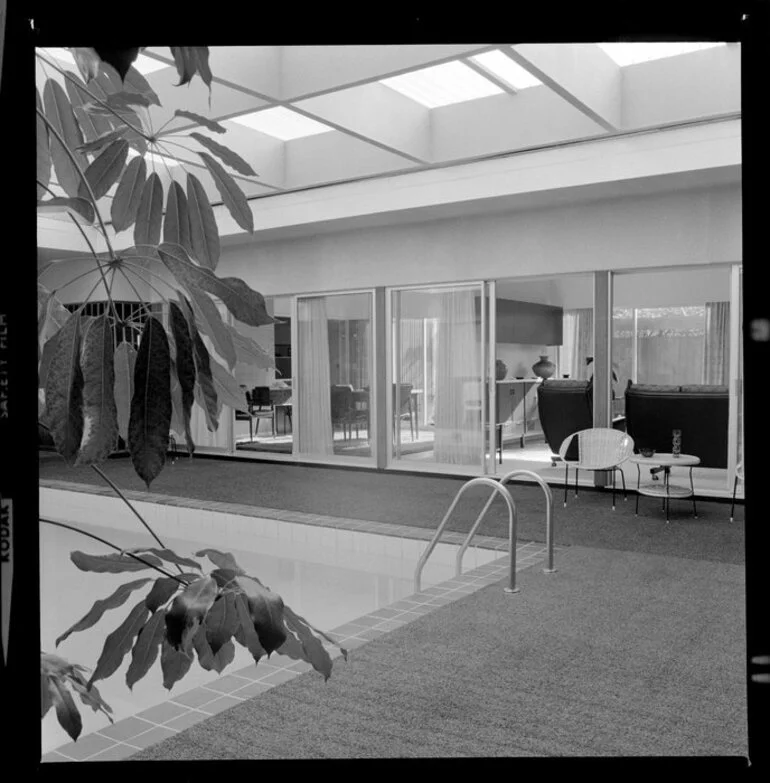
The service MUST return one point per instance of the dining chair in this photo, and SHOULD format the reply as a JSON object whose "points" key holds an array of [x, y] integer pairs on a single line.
{"points": [[245, 415], [739, 475], [262, 406], [403, 407], [342, 407], [598, 448]]}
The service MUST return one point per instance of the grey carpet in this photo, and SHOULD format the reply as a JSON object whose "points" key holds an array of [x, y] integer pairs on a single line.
{"points": [[422, 501], [617, 654]]}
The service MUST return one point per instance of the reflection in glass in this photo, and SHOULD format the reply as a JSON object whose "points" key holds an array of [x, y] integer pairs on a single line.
{"points": [[437, 389], [334, 356], [263, 372]]}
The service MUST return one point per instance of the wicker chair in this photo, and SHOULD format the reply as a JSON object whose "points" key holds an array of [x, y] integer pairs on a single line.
{"points": [[598, 448], [738, 477]]}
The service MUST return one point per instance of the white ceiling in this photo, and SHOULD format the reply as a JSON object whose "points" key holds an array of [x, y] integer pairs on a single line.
{"points": [[577, 92]]}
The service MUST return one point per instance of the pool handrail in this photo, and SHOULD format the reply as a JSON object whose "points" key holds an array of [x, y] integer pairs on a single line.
{"points": [[548, 520], [497, 488]]}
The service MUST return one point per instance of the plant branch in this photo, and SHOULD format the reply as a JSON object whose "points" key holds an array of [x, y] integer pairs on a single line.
{"points": [[99, 101], [85, 181], [128, 503], [75, 279], [133, 288], [117, 548], [136, 269]]}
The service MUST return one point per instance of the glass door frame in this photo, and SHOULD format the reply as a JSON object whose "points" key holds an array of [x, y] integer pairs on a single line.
{"points": [[392, 462], [334, 459], [735, 374]]}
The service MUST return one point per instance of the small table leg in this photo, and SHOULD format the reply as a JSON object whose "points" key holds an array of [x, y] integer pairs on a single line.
{"points": [[638, 484], [692, 489]]}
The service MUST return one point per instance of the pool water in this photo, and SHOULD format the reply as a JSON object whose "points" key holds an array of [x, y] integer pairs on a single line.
{"points": [[330, 576]]}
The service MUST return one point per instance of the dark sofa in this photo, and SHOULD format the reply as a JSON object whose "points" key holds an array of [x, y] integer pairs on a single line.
{"points": [[699, 411]]}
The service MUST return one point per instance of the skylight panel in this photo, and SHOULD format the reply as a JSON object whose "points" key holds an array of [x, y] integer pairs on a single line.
{"points": [[506, 69], [641, 52], [282, 123], [143, 64], [442, 85]]}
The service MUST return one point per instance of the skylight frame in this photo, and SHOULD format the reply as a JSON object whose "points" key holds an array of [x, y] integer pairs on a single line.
{"points": [[505, 69], [282, 123], [440, 85]]}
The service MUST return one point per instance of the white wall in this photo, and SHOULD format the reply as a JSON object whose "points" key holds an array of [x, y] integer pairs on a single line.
{"points": [[667, 229]]}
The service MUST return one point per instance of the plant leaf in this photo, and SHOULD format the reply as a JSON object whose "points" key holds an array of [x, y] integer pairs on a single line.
{"points": [[124, 361], [207, 658], [100, 417], [118, 598], [185, 367], [150, 212], [150, 418], [209, 321], [223, 560], [232, 159], [66, 709], [161, 592], [128, 196], [265, 611], [190, 60], [136, 82], [227, 388], [176, 224], [64, 391], [174, 664], [177, 415], [87, 61], [119, 58], [188, 610], [119, 642], [232, 196], [246, 635], [201, 120], [246, 305], [165, 554], [114, 563], [146, 648], [91, 697], [314, 651], [205, 382], [204, 234], [103, 140], [92, 127], [249, 351], [80, 208], [221, 621], [43, 150], [58, 111], [124, 99], [103, 173]]}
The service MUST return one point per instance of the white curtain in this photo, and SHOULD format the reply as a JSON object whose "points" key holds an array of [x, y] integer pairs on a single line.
{"points": [[578, 342], [313, 384], [458, 384], [716, 346]]}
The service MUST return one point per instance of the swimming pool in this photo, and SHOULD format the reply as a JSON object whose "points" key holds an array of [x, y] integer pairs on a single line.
{"points": [[328, 575]]}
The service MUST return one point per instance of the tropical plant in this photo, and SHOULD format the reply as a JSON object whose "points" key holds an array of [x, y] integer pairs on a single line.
{"points": [[95, 133]]}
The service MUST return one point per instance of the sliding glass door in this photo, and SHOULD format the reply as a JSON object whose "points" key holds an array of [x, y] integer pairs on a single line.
{"points": [[437, 405], [335, 369]]}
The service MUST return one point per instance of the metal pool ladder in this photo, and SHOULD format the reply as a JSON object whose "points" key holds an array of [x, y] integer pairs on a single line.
{"points": [[498, 488]]}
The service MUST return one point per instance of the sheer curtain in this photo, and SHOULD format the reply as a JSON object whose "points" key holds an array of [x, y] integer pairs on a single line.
{"points": [[458, 385], [314, 386], [578, 342], [716, 347]]}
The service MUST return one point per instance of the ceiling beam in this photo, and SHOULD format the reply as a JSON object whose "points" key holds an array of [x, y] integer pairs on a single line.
{"points": [[581, 74], [487, 74]]}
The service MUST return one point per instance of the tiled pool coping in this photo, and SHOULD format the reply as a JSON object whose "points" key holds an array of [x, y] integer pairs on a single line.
{"points": [[125, 737]]}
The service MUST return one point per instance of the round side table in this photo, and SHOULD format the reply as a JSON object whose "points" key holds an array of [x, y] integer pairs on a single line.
{"points": [[665, 490]]}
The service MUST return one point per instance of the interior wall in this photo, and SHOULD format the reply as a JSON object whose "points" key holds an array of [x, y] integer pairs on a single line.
{"points": [[672, 287], [666, 229]]}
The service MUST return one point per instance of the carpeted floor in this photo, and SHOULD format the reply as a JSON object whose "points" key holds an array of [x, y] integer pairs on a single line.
{"points": [[617, 654], [423, 500]]}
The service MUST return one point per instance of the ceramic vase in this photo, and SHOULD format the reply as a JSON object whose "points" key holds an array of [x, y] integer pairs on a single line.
{"points": [[501, 370], [544, 368]]}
